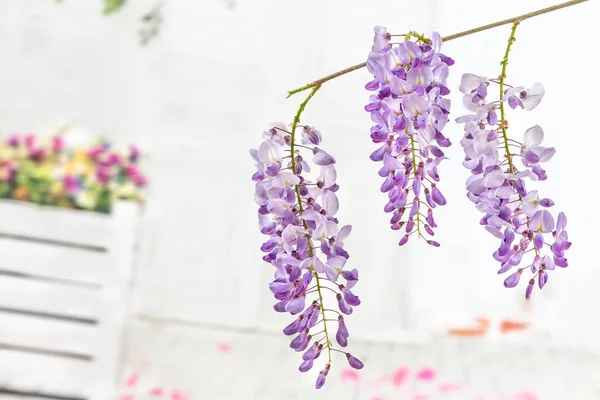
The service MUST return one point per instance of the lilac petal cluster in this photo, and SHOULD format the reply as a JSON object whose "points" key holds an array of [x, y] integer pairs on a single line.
{"points": [[518, 217], [409, 109], [306, 242]]}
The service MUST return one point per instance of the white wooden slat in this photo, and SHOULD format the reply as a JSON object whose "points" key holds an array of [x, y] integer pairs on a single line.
{"points": [[48, 334], [41, 373], [25, 294], [55, 261], [105, 302], [112, 325], [53, 223]]}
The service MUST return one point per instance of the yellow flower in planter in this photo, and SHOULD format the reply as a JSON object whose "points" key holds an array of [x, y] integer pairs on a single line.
{"points": [[21, 153], [125, 191], [6, 153], [80, 156], [86, 200], [57, 189]]}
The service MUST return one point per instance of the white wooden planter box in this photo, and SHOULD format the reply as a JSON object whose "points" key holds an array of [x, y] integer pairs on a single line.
{"points": [[64, 283]]}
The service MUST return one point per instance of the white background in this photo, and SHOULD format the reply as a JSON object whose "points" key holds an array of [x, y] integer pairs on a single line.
{"points": [[198, 97]]}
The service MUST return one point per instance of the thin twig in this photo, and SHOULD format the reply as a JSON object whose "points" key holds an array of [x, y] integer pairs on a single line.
{"points": [[507, 21]]}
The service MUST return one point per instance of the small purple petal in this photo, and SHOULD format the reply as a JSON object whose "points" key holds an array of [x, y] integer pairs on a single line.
{"points": [[538, 241], [546, 202], [320, 381], [294, 327], [542, 279], [403, 241], [529, 289], [306, 366], [343, 306], [513, 280], [437, 195], [354, 362], [311, 353], [351, 298]]}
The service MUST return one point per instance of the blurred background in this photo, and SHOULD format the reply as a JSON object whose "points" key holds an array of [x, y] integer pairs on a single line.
{"points": [[182, 303]]}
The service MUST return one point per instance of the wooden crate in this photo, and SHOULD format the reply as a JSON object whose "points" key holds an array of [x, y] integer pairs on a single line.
{"points": [[64, 284]]}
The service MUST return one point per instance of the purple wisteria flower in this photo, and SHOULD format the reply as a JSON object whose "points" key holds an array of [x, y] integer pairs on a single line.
{"points": [[409, 110], [517, 217], [306, 243]]}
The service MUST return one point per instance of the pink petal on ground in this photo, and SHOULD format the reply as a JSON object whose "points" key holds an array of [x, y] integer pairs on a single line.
{"points": [[126, 397], [132, 380], [377, 398], [526, 396], [421, 397], [157, 391], [447, 387], [177, 395], [224, 347], [378, 381], [426, 374], [350, 376], [399, 376]]}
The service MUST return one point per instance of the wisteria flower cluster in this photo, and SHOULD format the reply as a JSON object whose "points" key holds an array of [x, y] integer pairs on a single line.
{"points": [[516, 216], [410, 111], [306, 243], [46, 171]]}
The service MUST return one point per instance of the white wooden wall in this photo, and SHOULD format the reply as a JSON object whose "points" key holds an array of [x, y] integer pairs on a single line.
{"points": [[198, 97], [64, 293], [197, 104]]}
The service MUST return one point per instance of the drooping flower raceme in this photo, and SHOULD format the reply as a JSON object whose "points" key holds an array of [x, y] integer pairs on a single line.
{"points": [[517, 217], [306, 243], [409, 110]]}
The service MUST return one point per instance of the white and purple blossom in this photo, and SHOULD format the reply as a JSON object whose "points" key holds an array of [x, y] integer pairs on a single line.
{"points": [[306, 243], [497, 185], [409, 110]]}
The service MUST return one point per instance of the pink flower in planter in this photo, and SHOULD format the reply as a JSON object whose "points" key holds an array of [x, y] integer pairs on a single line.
{"points": [[139, 180], [58, 143], [95, 152], [37, 154], [13, 140], [114, 159], [134, 153], [71, 184], [131, 170], [103, 174], [7, 171], [135, 175], [30, 140]]}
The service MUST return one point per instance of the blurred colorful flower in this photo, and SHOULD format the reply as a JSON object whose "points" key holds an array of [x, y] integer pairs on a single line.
{"points": [[46, 171]]}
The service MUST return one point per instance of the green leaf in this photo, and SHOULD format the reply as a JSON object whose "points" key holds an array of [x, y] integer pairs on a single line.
{"points": [[112, 6], [5, 190]]}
